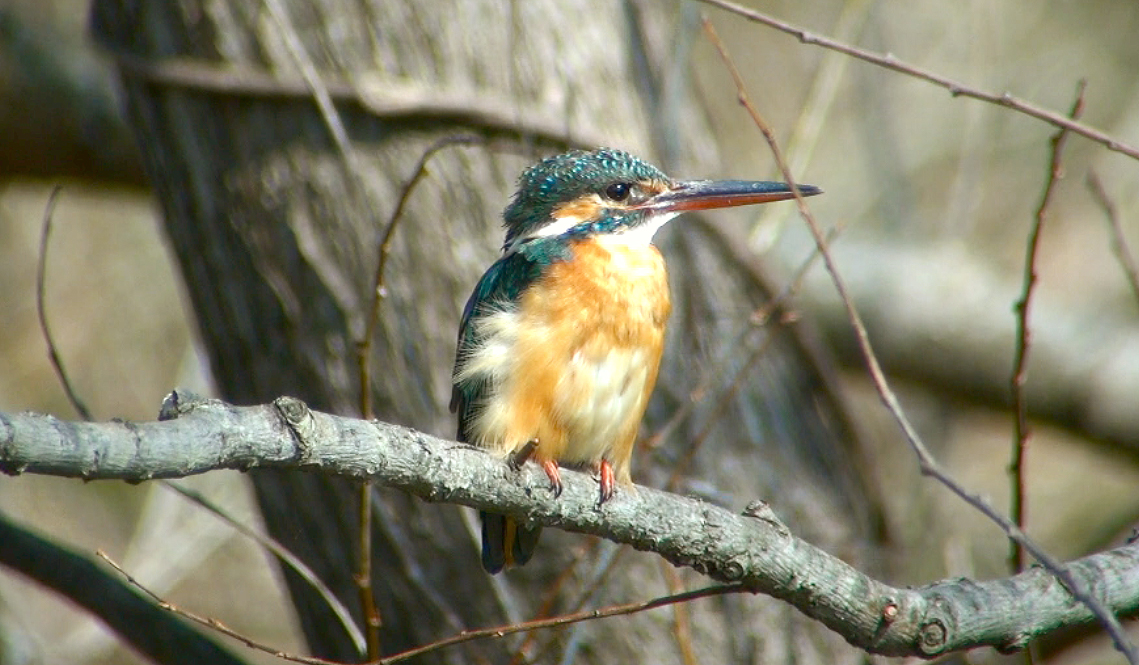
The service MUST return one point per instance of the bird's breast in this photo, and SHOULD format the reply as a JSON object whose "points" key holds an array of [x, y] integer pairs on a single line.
{"points": [[573, 362]]}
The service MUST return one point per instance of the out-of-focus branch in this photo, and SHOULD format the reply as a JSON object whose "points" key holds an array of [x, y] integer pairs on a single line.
{"points": [[376, 96], [142, 625], [753, 549], [1118, 239], [940, 317]]}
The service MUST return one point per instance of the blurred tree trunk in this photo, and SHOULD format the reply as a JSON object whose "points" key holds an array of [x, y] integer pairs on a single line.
{"points": [[277, 241]]}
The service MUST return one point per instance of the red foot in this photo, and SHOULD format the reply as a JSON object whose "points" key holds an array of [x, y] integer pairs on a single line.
{"points": [[551, 469], [605, 470]]}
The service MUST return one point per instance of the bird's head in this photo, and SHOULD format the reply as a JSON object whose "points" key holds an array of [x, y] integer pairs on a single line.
{"points": [[610, 192]]}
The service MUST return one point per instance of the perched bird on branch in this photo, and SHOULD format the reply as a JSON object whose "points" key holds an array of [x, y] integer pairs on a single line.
{"points": [[561, 340]]}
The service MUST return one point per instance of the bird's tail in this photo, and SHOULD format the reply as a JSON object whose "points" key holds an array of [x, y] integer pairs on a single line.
{"points": [[505, 542]]}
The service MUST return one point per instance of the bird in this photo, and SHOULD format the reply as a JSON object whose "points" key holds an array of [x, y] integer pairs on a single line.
{"points": [[560, 342]]}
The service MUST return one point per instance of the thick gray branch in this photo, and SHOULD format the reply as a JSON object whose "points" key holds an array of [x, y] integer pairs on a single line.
{"points": [[753, 549]]}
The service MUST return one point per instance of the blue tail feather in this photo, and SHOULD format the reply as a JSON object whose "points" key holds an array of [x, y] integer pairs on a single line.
{"points": [[505, 542]]}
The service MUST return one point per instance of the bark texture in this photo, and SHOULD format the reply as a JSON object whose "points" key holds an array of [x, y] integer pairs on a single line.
{"points": [[277, 232]]}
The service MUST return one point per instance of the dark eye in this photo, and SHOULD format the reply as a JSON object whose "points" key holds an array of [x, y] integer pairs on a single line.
{"points": [[618, 191]]}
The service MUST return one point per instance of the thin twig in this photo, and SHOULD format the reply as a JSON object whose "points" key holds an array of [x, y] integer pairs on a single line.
{"points": [[212, 624], [1021, 432], [465, 636], [41, 309], [314, 81], [600, 577], [807, 132], [355, 167], [363, 577], [1118, 239], [758, 319], [681, 619], [379, 289], [460, 638], [364, 367], [566, 619], [955, 88], [927, 463], [281, 552]]}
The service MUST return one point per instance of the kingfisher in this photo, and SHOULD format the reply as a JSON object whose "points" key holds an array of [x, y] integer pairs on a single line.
{"points": [[561, 340]]}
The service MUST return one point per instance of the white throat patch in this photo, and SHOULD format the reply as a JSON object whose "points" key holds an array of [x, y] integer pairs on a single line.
{"points": [[640, 235]]}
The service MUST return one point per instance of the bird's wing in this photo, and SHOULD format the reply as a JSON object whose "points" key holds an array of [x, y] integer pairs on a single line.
{"points": [[501, 285]]}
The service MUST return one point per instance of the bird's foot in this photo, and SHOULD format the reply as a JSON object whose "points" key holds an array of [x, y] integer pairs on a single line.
{"points": [[520, 456], [551, 469], [608, 484]]}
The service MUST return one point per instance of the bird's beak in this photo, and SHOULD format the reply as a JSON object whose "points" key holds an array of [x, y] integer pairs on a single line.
{"points": [[710, 194]]}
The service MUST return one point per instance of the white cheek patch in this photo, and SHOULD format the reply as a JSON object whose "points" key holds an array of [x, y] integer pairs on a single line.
{"points": [[555, 228]]}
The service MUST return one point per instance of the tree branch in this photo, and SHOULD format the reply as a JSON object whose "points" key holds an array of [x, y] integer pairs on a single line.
{"points": [[955, 88], [961, 346], [197, 435], [375, 96]]}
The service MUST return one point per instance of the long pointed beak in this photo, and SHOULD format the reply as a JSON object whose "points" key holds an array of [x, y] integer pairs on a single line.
{"points": [[710, 194]]}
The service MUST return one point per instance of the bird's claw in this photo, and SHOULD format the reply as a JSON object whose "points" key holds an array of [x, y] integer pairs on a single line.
{"points": [[608, 484], [551, 469]]}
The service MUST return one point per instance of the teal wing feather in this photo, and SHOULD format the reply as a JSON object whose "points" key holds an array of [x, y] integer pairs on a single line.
{"points": [[501, 285], [504, 541]]}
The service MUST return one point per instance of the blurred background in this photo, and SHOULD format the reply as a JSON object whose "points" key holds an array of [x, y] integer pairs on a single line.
{"points": [[935, 197]]}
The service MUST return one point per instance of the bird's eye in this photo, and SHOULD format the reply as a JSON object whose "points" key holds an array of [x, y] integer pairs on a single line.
{"points": [[618, 191]]}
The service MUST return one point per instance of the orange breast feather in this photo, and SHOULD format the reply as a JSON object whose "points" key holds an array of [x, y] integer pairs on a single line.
{"points": [[586, 352]]}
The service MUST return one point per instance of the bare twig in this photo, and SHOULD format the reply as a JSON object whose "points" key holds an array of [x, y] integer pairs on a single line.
{"points": [[286, 557], [355, 168], [955, 88], [315, 83], [465, 636], [826, 82], [928, 464], [363, 575], [681, 620], [1021, 432], [566, 619], [41, 309], [211, 623], [758, 319], [379, 290], [1118, 239]]}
